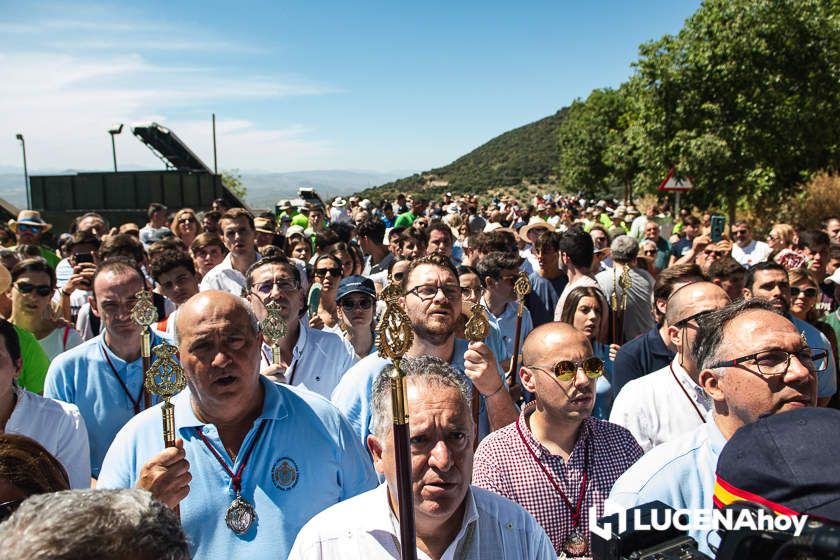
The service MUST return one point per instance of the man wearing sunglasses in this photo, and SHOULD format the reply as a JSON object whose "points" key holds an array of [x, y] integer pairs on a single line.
{"points": [[746, 250], [769, 280], [752, 362], [28, 229], [433, 301], [312, 358], [668, 403], [556, 460]]}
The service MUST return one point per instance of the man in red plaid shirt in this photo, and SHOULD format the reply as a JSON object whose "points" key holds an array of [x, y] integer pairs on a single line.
{"points": [[556, 460]]}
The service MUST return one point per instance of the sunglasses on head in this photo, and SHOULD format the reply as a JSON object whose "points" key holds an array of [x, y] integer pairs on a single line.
{"points": [[565, 370], [807, 292], [27, 227], [322, 272], [42, 290], [350, 304]]}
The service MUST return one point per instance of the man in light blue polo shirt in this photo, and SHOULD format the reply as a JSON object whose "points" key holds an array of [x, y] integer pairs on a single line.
{"points": [[433, 317], [104, 376], [753, 362], [769, 280], [310, 358], [254, 460]]}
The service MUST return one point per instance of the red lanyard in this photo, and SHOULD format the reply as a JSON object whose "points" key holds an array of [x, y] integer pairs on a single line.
{"points": [[576, 509], [135, 403], [680, 385], [235, 478]]}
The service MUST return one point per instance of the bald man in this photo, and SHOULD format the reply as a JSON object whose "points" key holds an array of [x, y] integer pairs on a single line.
{"points": [[254, 460], [669, 402], [539, 461]]}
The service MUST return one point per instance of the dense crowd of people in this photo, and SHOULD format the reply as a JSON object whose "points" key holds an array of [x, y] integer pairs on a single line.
{"points": [[645, 341]]}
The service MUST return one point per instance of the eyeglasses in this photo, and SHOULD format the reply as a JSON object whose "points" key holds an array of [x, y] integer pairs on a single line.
{"points": [[26, 288], [684, 322], [398, 276], [186, 220], [739, 232], [428, 291], [350, 305], [8, 508], [772, 363], [650, 252], [472, 293], [322, 272], [806, 292], [565, 370], [720, 254], [27, 227], [283, 285]]}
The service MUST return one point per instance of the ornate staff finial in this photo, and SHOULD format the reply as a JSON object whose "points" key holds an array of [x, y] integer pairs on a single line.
{"points": [[477, 327], [522, 287], [394, 334], [274, 329], [165, 378], [145, 314], [626, 282]]}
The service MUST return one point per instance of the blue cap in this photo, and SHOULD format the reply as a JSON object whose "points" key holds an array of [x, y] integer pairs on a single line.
{"points": [[355, 284]]}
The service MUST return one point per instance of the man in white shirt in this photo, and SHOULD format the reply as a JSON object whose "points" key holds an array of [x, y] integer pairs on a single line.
{"points": [[668, 403], [746, 250], [238, 232], [577, 250], [309, 357], [453, 519], [752, 362]]}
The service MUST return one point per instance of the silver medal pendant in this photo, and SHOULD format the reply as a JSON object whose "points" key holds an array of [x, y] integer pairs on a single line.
{"points": [[240, 515], [575, 544]]}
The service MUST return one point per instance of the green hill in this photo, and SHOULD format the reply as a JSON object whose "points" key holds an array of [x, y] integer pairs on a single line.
{"points": [[509, 163]]}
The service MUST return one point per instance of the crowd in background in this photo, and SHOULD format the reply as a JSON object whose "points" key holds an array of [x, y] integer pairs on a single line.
{"points": [[599, 373]]}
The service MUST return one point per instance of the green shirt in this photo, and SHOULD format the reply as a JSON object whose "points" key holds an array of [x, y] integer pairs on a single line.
{"points": [[47, 254], [35, 362], [405, 219], [833, 321]]}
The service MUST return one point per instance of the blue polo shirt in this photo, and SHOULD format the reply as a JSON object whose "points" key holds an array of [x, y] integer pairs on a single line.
{"points": [[82, 376], [640, 356], [305, 459], [355, 391], [680, 473]]}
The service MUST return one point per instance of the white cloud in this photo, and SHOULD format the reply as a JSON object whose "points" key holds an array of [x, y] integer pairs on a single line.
{"points": [[69, 73]]}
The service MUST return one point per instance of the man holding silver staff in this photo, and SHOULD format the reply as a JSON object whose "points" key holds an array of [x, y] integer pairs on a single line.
{"points": [[309, 357], [453, 519], [253, 460], [432, 299], [104, 376]]}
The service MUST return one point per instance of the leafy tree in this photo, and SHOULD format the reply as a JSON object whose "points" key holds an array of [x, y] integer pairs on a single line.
{"points": [[232, 179], [745, 99], [596, 154]]}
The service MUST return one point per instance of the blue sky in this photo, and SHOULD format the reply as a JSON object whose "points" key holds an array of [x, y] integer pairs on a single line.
{"points": [[304, 85]]}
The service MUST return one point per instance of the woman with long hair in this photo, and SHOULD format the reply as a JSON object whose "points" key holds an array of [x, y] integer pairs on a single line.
{"points": [[356, 307], [781, 236], [33, 285], [327, 272], [185, 226], [584, 308]]}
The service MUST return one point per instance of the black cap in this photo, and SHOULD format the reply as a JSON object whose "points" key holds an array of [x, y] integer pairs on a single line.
{"points": [[787, 461], [355, 284]]}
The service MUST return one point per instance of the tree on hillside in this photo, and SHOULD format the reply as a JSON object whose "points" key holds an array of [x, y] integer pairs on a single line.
{"points": [[597, 155], [232, 179], [745, 99]]}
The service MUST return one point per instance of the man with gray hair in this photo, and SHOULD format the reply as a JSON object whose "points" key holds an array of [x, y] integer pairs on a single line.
{"points": [[101, 524], [637, 316], [752, 361], [253, 460], [452, 518]]}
